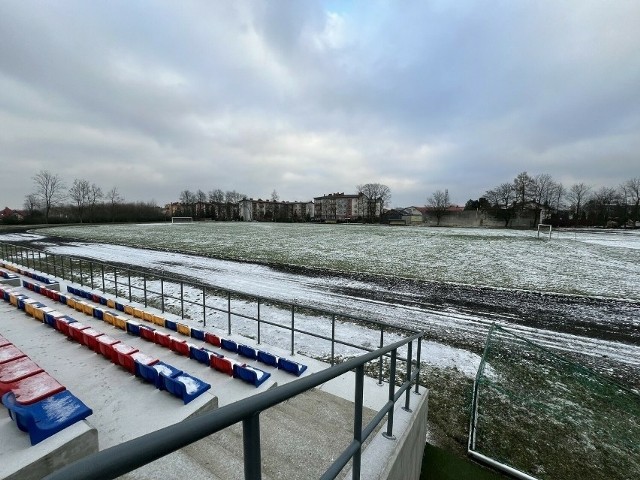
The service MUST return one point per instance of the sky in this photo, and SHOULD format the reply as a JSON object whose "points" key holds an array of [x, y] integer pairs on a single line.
{"points": [[308, 98]]}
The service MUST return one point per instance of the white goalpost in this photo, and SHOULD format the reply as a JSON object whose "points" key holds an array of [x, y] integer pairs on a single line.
{"points": [[181, 219], [544, 227]]}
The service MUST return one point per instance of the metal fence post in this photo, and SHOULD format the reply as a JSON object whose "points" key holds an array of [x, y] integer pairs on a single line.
{"points": [[357, 422], [129, 281], [102, 274], [115, 280], [251, 447], [229, 312], [381, 357], [81, 279], [204, 308], [418, 361], [71, 270], [181, 299], [91, 273], [392, 388], [55, 274], [162, 293], [40, 261], [144, 288], [293, 329], [258, 321], [333, 339], [407, 400]]}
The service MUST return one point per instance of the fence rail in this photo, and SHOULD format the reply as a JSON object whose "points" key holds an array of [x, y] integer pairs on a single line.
{"points": [[168, 293]]}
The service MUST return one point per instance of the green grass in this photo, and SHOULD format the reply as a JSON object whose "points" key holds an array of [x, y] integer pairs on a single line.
{"points": [[439, 464]]}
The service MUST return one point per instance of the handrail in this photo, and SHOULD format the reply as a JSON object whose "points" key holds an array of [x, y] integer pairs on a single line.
{"points": [[127, 456]]}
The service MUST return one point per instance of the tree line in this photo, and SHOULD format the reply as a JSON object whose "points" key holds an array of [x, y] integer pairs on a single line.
{"points": [[578, 205], [51, 201]]}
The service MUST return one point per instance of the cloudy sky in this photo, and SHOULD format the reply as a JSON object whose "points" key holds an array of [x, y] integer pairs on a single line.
{"points": [[308, 98]]}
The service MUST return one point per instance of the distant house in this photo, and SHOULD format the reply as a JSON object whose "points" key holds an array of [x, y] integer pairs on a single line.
{"points": [[8, 215], [403, 216]]}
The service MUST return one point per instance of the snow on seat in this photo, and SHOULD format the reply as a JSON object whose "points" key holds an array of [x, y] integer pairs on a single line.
{"points": [[75, 331], [251, 375], [9, 353], [229, 345], [247, 351], [157, 372], [4, 342], [291, 367], [105, 345], [140, 358], [185, 386], [122, 355], [18, 369], [46, 417], [212, 339], [40, 312], [62, 324], [90, 338], [50, 317], [33, 388], [268, 358]]}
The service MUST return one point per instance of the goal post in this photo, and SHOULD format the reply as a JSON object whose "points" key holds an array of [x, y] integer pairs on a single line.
{"points": [[545, 228], [181, 219]]}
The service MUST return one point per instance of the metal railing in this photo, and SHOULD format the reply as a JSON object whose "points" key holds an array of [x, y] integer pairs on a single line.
{"points": [[133, 454], [154, 288]]}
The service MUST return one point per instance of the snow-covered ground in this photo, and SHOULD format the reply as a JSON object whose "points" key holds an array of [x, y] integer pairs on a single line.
{"points": [[602, 330]]}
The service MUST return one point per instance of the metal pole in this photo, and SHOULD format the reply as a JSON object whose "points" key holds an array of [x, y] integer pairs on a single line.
{"points": [[406, 407], [418, 361], [204, 309], [181, 298], [392, 387], [333, 339], [102, 274], [40, 260], [251, 446], [71, 270], [129, 280], [381, 356], [91, 273], [55, 273], [357, 422], [258, 321], [144, 288], [229, 311], [115, 279], [81, 279], [293, 329], [162, 293]]}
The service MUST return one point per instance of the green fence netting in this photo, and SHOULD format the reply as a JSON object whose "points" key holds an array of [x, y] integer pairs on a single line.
{"points": [[552, 418]]}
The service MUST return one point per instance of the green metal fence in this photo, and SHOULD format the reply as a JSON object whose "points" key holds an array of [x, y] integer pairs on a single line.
{"points": [[538, 415]]}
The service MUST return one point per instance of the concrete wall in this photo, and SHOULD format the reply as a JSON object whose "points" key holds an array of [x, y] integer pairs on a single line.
{"points": [[401, 458], [473, 218]]}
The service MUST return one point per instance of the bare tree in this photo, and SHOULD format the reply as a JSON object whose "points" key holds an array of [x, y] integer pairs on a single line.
{"points": [[79, 193], [49, 191], [216, 196], [114, 199], [233, 196], [377, 196], [632, 193], [201, 203], [31, 204], [503, 198], [602, 202], [187, 201], [524, 187], [95, 195], [578, 195], [439, 203]]}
